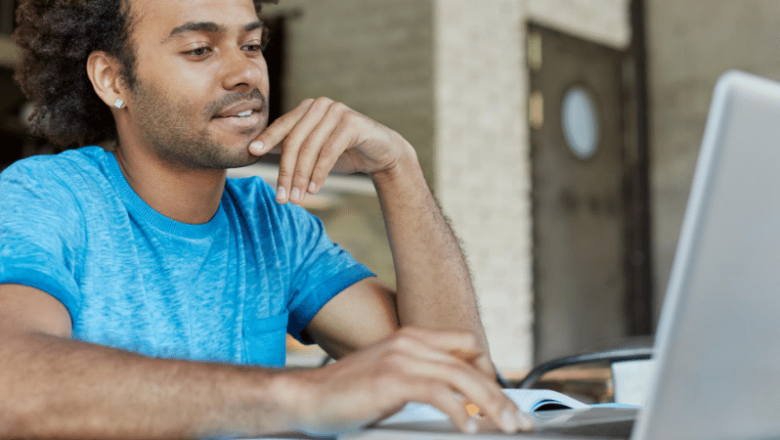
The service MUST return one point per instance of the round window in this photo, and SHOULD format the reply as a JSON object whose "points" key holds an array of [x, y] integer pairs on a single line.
{"points": [[580, 120]]}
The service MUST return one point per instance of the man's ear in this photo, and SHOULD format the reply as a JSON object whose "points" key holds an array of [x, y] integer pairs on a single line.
{"points": [[104, 72]]}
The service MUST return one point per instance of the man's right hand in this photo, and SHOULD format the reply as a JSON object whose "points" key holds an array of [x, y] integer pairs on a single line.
{"points": [[413, 365]]}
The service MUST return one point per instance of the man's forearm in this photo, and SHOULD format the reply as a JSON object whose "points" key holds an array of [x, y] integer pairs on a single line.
{"points": [[434, 285], [55, 387], [61, 388]]}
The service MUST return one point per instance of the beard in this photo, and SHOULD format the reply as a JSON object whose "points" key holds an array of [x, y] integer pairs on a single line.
{"points": [[175, 137]]}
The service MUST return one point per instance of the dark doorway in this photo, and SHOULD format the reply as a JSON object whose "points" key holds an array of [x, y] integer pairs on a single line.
{"points": [[7, 15], [13, 132], [15, 142], [275, 55]]}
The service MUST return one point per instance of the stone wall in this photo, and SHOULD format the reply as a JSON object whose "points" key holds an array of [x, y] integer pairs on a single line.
{"points": [[373, 55], [690, 43]]}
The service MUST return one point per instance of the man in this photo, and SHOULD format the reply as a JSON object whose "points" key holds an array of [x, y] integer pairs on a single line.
{"points": [[135, 283]]}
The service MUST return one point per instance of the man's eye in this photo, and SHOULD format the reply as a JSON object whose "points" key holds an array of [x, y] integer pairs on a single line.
{"points": [[253, 47], [199, 52]]}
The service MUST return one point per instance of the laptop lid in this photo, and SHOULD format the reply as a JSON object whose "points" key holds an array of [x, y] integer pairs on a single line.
{"points": [[718, 343]]}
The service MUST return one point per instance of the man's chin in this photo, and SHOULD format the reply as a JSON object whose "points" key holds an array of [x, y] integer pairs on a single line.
{"points": [[245, 162], [235, 149], [233, 157], [209, 156], [232, 151]]}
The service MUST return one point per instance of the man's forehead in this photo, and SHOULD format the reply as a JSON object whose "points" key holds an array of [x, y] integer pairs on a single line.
{"points": [[162, 16]]}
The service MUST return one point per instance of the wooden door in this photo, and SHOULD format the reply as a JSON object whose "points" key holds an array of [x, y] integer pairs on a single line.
{"points": [[579, 207]]}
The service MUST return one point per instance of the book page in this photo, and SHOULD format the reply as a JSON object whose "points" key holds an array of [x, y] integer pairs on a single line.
{"points": [[535, 400], [527, 400]]}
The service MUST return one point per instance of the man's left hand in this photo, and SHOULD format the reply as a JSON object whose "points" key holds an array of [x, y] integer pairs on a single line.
{"points": [[320, 136]]}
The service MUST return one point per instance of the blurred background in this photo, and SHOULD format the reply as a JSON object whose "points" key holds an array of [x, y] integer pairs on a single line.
{"points": [[560, 137]]}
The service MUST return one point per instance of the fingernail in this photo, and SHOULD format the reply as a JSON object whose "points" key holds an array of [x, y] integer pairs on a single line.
{"points": [[295, 194], [471, 426], [312, 187], [508, 420], [256, 147], [281, 193]]}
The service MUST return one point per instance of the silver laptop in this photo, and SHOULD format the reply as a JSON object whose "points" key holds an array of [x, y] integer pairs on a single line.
{"points": [[717, 372]]}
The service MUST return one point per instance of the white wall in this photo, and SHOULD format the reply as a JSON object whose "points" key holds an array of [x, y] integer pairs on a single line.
{"points": [[601, 21]]}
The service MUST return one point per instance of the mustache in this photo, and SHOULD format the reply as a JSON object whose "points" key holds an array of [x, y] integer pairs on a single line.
{"points": [[233, 97]]}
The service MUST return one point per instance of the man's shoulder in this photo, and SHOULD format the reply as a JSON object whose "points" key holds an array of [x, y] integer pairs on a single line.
{"points": [[74, 175], [65, 165]]}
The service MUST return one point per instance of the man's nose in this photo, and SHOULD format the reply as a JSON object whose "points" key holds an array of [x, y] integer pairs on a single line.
{"points": [[242, 71]]}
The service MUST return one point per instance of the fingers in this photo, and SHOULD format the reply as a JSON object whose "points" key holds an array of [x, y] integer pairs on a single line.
{"points": [[329, 155], [275, 133], [484, 364], [413, 365], [437, 395], [301, 150], [465, 380], [311, 139], [452, 346], [467, 348], [314, 157], [448, 357]]}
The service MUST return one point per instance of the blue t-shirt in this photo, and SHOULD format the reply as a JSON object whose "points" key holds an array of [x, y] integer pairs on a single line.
{"points": [[225, 291]]}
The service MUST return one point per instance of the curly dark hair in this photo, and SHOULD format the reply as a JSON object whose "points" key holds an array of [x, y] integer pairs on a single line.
{"points": [[56, 38]]}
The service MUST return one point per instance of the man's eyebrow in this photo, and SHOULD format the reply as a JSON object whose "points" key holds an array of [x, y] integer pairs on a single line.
{"points": [[209, 27], [253, 26]]}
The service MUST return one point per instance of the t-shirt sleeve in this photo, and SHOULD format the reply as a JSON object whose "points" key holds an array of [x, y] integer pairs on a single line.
{"points": [[41, 232], [320, 269]]}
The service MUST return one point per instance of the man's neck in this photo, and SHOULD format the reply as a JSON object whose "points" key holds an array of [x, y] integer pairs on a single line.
{"points": [[184, 195]]}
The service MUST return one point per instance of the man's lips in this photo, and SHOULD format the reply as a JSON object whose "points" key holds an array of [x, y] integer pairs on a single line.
{"points": [[241, 108], [244, 125]]}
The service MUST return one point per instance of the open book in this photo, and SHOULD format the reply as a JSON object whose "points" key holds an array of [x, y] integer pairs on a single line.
{"points": [[553, 414], [415, 419], [529, 401]]}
